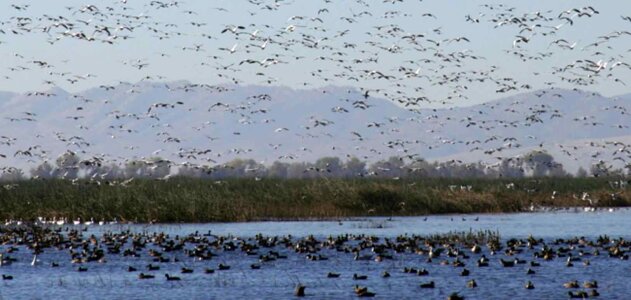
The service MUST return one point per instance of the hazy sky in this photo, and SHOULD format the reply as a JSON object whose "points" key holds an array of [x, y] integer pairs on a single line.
{"points": [[166, 59]]}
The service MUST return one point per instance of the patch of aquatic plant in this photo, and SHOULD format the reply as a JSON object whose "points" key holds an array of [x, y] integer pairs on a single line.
{"points": [[466, 237]]}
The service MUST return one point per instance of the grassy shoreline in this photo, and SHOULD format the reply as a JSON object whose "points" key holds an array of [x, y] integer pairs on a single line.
{"points": [[201, 200]]}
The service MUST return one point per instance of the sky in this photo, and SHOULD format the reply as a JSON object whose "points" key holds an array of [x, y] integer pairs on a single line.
{"points": [[191, 51], [416, 54]]}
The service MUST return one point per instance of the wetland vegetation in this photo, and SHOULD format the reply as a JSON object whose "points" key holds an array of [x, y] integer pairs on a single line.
{"points": [[182, 199]]}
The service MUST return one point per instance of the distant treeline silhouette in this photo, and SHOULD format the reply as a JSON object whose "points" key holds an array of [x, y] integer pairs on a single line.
{"points": [[534, 164]]}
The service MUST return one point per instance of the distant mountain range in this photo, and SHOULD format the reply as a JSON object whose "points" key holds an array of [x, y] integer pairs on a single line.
{"points": [[203, 124]]}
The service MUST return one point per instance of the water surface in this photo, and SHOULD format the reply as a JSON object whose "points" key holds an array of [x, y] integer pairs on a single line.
{"points": [[554, 223], [276, 280]]}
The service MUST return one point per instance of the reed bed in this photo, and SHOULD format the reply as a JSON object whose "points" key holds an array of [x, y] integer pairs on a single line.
{"points": [[202, 200]]}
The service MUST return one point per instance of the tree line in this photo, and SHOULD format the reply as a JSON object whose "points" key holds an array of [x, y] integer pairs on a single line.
{"points": [[534, 164]]}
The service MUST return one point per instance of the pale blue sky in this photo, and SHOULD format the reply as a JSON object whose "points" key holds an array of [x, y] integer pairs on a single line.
{"points": [[111, 63]]}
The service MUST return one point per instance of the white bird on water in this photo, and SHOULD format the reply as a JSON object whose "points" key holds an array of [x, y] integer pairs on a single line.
{"points": [[61, 221], [35, 261]]}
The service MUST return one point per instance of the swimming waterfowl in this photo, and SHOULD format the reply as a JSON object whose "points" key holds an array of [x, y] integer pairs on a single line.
{"points": [[332, 275], [255, 266], [427, 285], [54, 264], [483, 261], [507, 263], [465, 272], [590, 284], [458, 263], [534, 264], [145, 276], [529, 285], [571, 284], [482, 264], [366, 294], [359, 277], [151, 267], [5, 261], [594, 293], [422, 272], [578, 294], [472, 284], [209, 271], [278, 255], [316, 257], [131, 269], [266, 258], [385, 274], [161, 259], [573, 258], [569, 263], [520, 261], [363, 292], [409, 270], [360, 289], [7, 277], [171, 278], [299, 291], [452, 253], [82, 269], [455, 296], [223, 267], [362, 257], [530, 271], [186, 270]]}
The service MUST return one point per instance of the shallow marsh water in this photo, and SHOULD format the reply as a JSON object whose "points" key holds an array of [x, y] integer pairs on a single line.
{"points": [[276, 280]]}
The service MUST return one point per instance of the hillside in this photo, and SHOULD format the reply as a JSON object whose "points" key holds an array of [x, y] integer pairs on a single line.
{"points": [[180, 120]]}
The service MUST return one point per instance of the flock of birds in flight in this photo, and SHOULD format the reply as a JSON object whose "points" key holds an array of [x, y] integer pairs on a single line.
{"points": [[388, 60]]}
